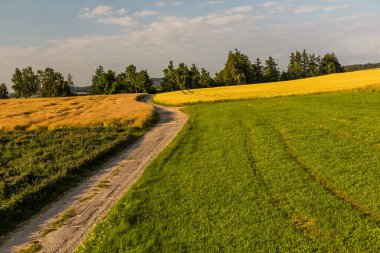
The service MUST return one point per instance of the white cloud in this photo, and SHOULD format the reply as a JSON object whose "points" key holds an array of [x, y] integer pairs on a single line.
{"points": [[306, 9], [336, 7], [121, 11], [214, 2], [101, 10], [240, 9], [121, 21], [145, 13], [160, 4]]}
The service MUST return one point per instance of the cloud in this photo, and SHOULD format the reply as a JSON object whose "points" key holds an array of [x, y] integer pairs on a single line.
{"points": [[101, 10], [214, 2], [203, 40], [306, 9], [336, 7], [162, 4], [145, 13], [121, 21], [240, 9]]}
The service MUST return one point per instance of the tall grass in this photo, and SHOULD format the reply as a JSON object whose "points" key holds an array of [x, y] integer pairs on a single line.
{"points": [[74, 135], [322, 84], [54, 113], [293, 174]]}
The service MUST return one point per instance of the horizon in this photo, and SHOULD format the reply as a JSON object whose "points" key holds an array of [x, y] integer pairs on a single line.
{"points": [[114, 34]]}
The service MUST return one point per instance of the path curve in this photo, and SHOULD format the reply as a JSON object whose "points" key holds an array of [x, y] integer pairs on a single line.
{"points": [[92, 199]]}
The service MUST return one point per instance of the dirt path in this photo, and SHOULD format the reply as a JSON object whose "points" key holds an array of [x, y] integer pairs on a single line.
{"points": [[85, 205]]}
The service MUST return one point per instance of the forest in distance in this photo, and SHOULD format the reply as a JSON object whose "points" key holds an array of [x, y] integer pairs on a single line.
{"points": [[238, 70]]}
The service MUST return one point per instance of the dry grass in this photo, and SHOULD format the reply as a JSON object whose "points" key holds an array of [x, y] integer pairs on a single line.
{"points": [[322, 84], [53, 113]]}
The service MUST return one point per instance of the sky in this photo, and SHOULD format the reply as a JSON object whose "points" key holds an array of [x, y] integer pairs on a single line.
{"points": [[76, 36]]}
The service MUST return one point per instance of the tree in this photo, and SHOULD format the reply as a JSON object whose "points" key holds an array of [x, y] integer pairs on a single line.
{"points": [[314, 62], [195, 76], [271, 71], [205, 79], [330, 64], [131, 73], [237, 70], [25, 82], [3, 91], [182, 76], [305, 64], [258, 70], [169, 82], [96, 88], [52, 84], [143, 82]]}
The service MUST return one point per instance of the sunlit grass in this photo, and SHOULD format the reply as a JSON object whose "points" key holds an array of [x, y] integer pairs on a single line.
{"points": [[322, 84], [53, 113], [292, 174]]}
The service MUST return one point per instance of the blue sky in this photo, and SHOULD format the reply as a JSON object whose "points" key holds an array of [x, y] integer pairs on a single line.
{"points": [[78, 35]]}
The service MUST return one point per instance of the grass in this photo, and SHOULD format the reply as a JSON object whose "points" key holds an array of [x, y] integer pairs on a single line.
{"points": [[292, 174], [322, 84], [55, 113], [38, 165]]}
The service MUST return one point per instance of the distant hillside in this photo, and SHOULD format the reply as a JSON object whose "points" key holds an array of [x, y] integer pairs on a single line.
{"points": [[356, 67], [82, 89], [157, 82]]}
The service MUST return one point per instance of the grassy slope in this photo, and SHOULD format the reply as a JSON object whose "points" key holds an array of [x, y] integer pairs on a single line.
{"points": [[284, 174], [321, 84]]}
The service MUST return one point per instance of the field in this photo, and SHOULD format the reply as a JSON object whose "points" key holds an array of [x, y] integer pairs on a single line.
{"points": [[291, 174], [37, 164], [53, 113], [322, 84]]}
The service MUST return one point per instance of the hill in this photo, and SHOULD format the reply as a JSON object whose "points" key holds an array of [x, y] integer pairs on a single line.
{"points": [[321, 84]]}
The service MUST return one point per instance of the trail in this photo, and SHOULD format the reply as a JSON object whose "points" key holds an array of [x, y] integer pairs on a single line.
{"points": [[91, 200]]}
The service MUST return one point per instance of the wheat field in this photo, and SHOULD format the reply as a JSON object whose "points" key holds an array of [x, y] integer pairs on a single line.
{"points": [[321, 84], [53, 113]]}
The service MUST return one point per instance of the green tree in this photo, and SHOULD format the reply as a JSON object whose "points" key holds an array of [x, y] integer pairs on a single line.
{"points": [[96, 88], [143, 82], [195, 76], [169, 80], [25, 82], [53, 84], [132, 77], [3, 91], [271, 71], [330, 64], [237, 70], [205, 79], [258, 70], [182, 76]]}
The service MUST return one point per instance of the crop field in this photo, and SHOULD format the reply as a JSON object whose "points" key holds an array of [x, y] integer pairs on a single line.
{"points": [[53, 113], [322, 84], [37, 164], [291, 174]]}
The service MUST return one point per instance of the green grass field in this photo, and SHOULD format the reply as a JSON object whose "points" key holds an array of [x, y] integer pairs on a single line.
{"points": [[37, 166], [270, 175]]}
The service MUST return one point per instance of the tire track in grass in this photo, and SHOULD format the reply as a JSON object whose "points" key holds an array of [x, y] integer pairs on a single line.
{"points": [[305, 225], [343, 196]]}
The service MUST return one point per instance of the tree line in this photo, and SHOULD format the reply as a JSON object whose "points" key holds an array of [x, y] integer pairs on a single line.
{"points": [[239, 70], [44, 83], [129, 81], [356, 67]]}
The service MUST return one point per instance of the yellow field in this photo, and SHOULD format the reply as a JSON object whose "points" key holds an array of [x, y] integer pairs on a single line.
{"points": [[52, 113], [330, 83]]}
